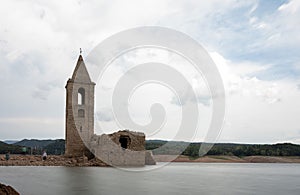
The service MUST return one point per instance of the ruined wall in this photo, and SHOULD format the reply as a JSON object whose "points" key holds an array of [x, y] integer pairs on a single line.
{"points": [[136, 139], [108, 149], [149, 159]]}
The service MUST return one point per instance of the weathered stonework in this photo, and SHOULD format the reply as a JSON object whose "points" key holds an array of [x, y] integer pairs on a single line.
{"points": [[149, 159], [135, 140], [79, 115], [123, 148]]}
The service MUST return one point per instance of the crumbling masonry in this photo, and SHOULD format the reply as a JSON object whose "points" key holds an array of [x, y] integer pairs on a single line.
{"points": [[123, 148]]}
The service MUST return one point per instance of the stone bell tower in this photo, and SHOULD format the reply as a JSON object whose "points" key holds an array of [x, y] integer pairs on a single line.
{"points": [[79, 111]]}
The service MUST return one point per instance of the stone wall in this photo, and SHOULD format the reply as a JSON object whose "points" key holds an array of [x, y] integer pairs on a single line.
{"points": [[123, 148], [136, 139], [74, 144], [108, 148], [79, 115], [149, 159]]}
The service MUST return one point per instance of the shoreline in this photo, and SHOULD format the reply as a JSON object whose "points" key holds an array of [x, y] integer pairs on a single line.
{"points": [[229, 159], [60, 160], [52, 160]]}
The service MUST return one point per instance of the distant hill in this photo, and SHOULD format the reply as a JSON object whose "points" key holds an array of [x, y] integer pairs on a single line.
{"points": [[281, 149], [57, 147], [38, 146], [13, 149], [34, 143], [160, 147], [10, 141]]}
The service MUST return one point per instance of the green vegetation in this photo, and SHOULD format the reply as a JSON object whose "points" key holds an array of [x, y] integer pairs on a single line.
{"points": [[37, 147], [57, 147], [34, 146], [13, 149], [284, 149], [34, 143]]}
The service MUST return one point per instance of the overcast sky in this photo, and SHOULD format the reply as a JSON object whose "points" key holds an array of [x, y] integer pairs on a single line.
{"points": [[254, 43]]}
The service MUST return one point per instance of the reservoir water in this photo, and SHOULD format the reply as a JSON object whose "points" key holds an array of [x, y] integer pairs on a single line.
{"points": [[175, 178]]}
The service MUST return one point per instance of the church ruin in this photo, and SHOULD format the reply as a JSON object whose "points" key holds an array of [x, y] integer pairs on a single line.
{"points": [[122, 148]]}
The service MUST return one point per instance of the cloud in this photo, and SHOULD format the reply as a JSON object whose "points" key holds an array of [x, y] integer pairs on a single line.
{"points": [[277, 72], [186, 97], [43, 90], [105, 115], [254, 43], [30, 127]]}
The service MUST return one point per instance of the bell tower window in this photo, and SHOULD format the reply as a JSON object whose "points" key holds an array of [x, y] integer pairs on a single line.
{"points": [[81, 96], [81, 113]]}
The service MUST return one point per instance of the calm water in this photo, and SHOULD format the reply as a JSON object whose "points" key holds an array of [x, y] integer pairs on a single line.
{"points": [[176, 178]]}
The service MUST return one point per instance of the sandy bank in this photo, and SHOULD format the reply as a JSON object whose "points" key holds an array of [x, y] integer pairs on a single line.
{"points": [[229, 159]]}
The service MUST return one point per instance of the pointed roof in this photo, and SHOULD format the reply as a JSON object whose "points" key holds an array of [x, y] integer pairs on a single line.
{"points": [[80, 73]]}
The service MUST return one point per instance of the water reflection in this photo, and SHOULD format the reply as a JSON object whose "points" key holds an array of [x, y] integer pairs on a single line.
{"points": [[176, 178]]}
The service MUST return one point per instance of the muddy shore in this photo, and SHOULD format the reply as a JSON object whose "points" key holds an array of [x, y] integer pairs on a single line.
{"points": [[52, 160], [59, 160], [229, 159]]}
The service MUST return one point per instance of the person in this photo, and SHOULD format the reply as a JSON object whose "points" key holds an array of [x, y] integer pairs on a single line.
{"points": [[7, 156], [44, 156]]}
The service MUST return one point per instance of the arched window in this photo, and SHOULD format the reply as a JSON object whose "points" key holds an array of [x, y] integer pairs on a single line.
{"points": [[81, 113], [81, 96]]}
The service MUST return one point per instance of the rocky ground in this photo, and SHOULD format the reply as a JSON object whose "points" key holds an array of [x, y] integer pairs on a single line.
{"points": [[52, 160], [7, 190], [59, 160]]}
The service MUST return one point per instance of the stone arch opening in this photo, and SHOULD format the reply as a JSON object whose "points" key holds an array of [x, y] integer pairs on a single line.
{"points": [[124, 141], [81, 96]]}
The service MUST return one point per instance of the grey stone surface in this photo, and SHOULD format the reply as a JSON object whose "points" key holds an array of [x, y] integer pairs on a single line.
{"points": [[149, 159]]}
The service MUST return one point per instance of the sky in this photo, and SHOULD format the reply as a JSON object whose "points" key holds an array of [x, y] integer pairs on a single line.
{"points": [[254, 43]]}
